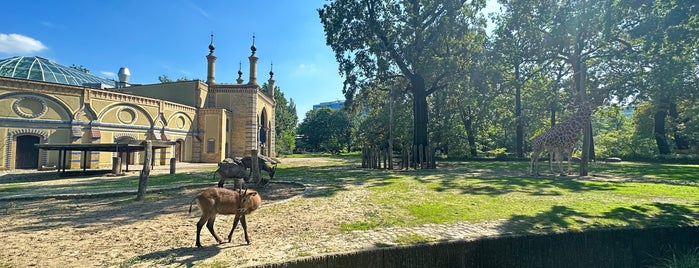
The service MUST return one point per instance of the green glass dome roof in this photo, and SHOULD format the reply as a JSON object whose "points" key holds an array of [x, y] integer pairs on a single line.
{"points": [[41, 69]]}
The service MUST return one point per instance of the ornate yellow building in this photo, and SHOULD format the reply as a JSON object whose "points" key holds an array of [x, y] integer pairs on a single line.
{"points": [[42, 102]]}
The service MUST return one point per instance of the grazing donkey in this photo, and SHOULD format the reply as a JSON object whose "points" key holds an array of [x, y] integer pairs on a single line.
{"points": [[213, 201], [247, 163], [231, 168]]}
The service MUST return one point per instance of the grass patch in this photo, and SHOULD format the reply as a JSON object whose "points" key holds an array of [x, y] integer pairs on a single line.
{"points": [[409, 239], [130, 262], [683, 259], [216, 264], [109, 183], [617, 195], [358, 226], [481, 191]]}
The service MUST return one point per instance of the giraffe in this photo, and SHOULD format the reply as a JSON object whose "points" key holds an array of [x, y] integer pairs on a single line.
{"points": [[560, 139]]}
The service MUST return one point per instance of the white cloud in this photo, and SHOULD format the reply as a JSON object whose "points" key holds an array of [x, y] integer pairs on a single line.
{"points": [[108, 74], [306, 69], [198, 9], [19, 44], [49, 24]]}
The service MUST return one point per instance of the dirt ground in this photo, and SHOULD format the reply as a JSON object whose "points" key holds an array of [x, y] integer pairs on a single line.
{"points": [[157, 232]]}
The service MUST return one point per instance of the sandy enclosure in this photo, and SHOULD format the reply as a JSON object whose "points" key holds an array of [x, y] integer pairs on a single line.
{"points": [[117, 231], [159, 231]]}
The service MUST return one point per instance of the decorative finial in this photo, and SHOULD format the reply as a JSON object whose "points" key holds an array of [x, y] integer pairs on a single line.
{"points": [[271, 72], [240, 73], [253, 48], [211, 45]]}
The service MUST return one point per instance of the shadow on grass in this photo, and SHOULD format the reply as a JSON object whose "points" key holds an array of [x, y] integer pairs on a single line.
{"points": [[69, 212], [332, 178], [639, 216], [183, 256], [532, 186], [671, 172]]}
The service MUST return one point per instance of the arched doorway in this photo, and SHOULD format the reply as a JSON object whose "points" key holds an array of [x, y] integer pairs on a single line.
{"points": [[179, 150], [263, 133], [27, 155]]}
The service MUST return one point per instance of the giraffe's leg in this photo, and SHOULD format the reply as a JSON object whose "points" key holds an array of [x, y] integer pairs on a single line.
{"points": [[552, 153], [569, 152], [533, 162], [559, 158]]}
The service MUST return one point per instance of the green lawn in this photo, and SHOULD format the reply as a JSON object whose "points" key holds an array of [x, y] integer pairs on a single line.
{"points": [[616, 195]]}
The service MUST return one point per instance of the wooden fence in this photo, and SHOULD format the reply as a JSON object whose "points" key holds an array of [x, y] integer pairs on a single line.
{"points": [[412, 156], [620, 248]]}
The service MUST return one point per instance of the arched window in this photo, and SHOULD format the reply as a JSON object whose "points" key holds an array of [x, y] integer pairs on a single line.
{"points": [[211, 146]]}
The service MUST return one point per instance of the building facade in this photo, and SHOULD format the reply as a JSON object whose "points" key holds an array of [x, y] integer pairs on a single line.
{"points": [[42, 102]]}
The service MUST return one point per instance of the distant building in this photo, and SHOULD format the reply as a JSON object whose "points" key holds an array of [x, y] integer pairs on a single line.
{"points": [[335, 105], [42, 102]]}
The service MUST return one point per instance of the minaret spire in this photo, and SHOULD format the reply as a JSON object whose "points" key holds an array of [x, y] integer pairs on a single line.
{"points": [[211, 60], [211, 45], [240, 73], [270, 82], [253, 63]]}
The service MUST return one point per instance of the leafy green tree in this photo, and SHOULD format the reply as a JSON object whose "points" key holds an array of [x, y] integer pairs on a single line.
{"points": [[325, 130], [373, 119], [285, 121], [165, 79], [575, 32], [518, 49], [418, 43], [664, 37]]}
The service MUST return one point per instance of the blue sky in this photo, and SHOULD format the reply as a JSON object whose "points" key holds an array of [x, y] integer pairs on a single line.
{"points": [[171, 37]]}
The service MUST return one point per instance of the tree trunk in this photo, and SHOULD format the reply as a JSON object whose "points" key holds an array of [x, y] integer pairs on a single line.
{"points": [[592, 144], [681, 140], [579, 76], [255, 167], [659, 131], [419, 112], [145, 172], [390, 128], [552, 116], [519, 129], [470, 133]]}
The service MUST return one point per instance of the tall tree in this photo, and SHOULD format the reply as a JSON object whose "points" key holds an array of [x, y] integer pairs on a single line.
{"points": [[573, 31], [519, 50], [416, 41], [325, 130], [666, 35], [285, 123]]}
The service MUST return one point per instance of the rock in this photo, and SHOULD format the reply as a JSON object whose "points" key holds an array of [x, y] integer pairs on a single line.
{"points": [[612, 159]]}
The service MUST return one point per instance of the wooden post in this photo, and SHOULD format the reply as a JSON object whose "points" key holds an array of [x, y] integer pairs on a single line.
{"points": [[145, 172], [173, 164], [255, 167], [415, 156], [363, 157], [238, 183], [116, 165]]}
